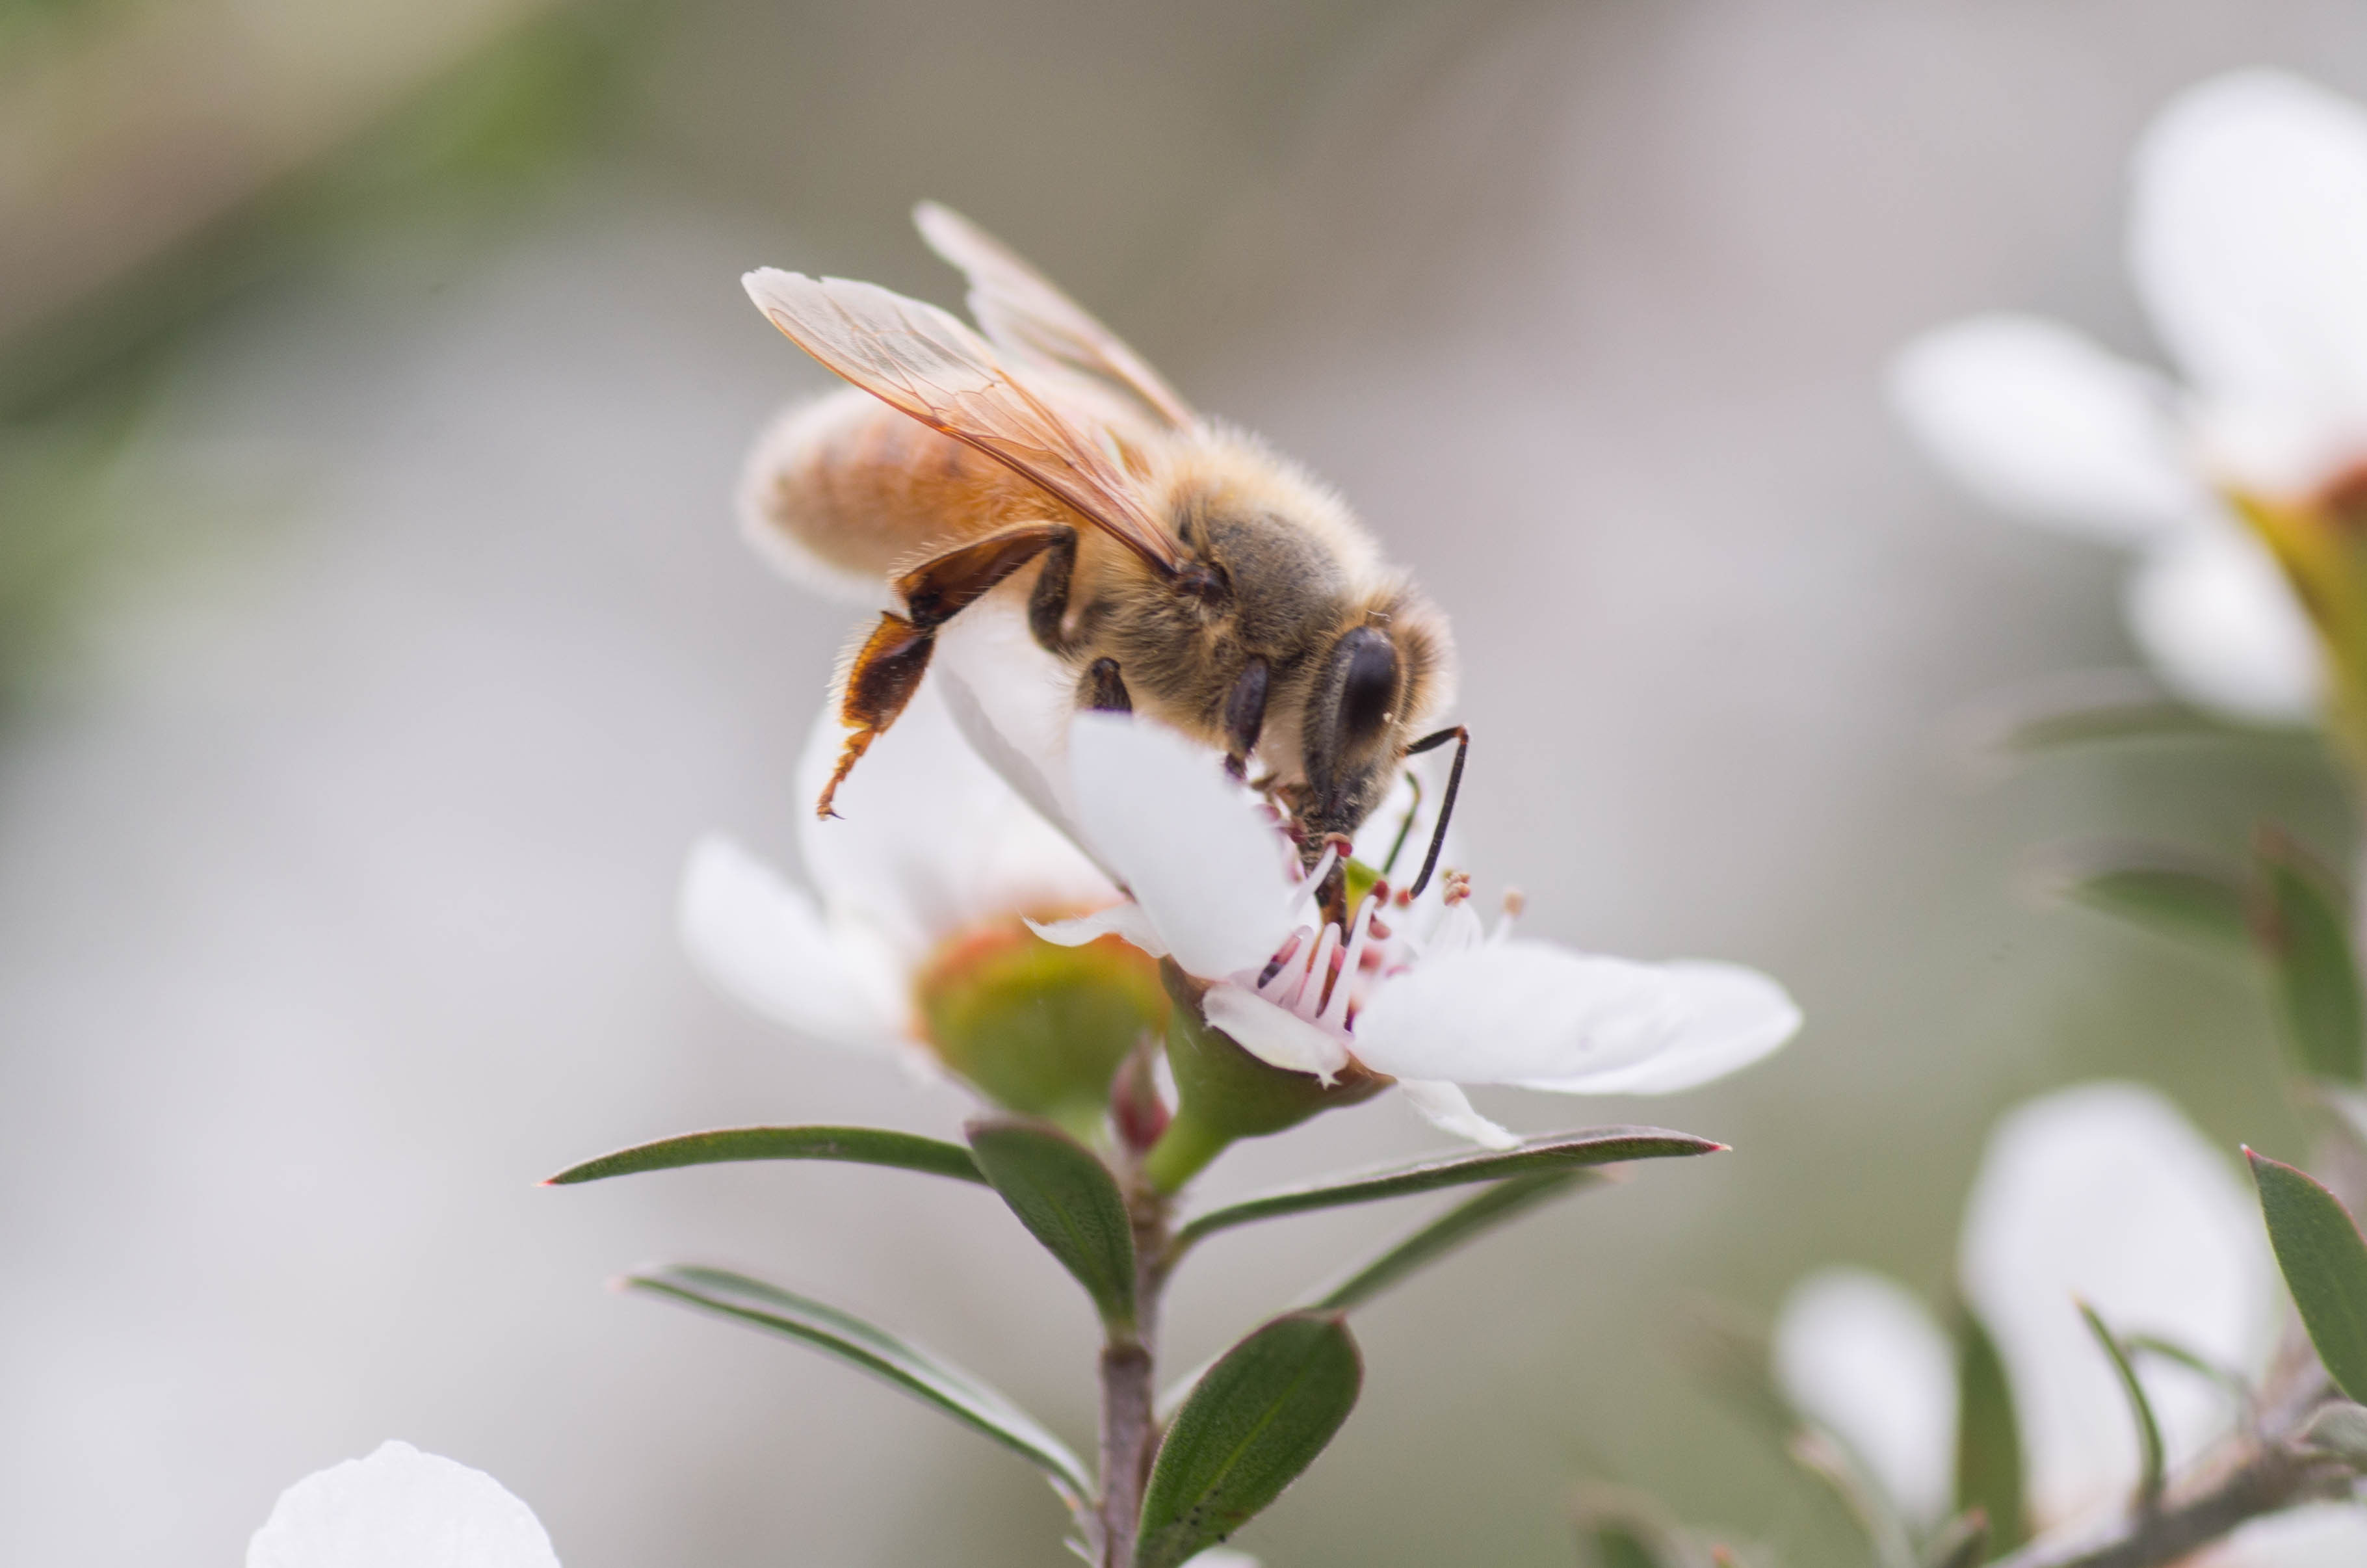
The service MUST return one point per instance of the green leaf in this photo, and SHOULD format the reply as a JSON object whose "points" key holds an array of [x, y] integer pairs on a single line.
{"points": [[1472, 1218], [882, 1355], [1962, 1542], [1988, 1436], [2232, 1382], [1559, 1152], [1619, 1543], [1068, 1201], [2167, 891], [853, 1145], [2341, 1429], [2092, 707], [2152, 1469], [1861, 1496], [2325, 1265], [1251, 1426], [2305, 932]]}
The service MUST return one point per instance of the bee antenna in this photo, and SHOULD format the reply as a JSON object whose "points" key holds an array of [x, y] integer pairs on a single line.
{"points": [[1462, 739]]}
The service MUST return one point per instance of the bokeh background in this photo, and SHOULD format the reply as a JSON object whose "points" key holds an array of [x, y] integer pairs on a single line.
{"points": [[374, 639]]}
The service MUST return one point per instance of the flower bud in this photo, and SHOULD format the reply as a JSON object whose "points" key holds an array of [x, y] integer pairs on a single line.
{"points": [[1037, 1028]]}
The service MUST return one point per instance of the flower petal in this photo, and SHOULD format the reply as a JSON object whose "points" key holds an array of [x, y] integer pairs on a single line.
{"points": [[1011, 762], [929, 840], [2216, 617], [1860, 1355], [1192, 847], [400, 1509], [1721, 1018], [1447, 1107], [2327, 1534], [763, 942], [2040, 423], [1274, 1035], [2247, 238], [1541, 1017], [2104, 1193], [1124, 918]]}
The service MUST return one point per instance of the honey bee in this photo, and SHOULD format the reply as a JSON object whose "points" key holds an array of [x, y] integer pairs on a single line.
{"points": [[1179, 567]]}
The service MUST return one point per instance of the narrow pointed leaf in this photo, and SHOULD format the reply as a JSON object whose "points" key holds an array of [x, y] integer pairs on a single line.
{"points": [[2305, 935], [1860, 1496], [1068, 1201], [2151, 1465], [1727, 1351], [1989, 1437], [2341, 1429], [1962, 1542], [881, 1354], [2140, 1345], [1560, 1152], [2091, 707], [1620, 1544], [2324, 1265], [853, 1145], [1466, 1221], [2167, 891], [1258, 1419]]}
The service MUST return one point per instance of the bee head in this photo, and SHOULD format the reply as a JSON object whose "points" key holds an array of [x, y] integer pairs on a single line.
{"points": [[1352, 742]]}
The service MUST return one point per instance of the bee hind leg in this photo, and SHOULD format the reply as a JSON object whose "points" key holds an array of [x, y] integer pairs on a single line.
{"points": [[888, 668]]}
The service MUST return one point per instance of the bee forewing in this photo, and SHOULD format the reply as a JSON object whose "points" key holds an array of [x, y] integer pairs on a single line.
{"points": [[926, 363], [1031, 320]]}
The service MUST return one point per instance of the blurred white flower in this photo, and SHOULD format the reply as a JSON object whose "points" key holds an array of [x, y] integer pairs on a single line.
{"points": [[400, 1509], [2331, 1535], [1859, 1355], [2247, 243], [930, 845], [2104, 1194], [1421, 993]]}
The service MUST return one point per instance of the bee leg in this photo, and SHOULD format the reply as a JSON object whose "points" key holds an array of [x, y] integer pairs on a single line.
{"points": [[888, 668], [1462, 739], [1244, 716], [1048, 602], [1102, 690]]}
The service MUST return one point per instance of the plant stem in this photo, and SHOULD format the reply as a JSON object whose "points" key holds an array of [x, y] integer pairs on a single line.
{"points": [[1129, 1424], [2252, 1474], [1183, 1151]]}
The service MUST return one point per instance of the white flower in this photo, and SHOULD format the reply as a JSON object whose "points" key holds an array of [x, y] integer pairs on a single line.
{"points": [[400, 1509], [1423, 995], [1859, 1355], [2102, 1193], [2331, 1535], [2247, 243], [2106, 1194], [930, 845]]}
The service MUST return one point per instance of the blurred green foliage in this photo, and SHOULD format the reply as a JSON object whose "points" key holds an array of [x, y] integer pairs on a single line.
{"points": [[469, 152]]}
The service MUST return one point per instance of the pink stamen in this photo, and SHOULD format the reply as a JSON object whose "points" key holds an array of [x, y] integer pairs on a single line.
{"points": [[1309, 991], [1335, 1010], [1282, 970]]}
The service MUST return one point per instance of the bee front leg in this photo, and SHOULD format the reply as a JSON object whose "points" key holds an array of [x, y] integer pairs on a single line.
{"points": [[1245, 716], [888, 668], [1048, 602], [1103, 689]]}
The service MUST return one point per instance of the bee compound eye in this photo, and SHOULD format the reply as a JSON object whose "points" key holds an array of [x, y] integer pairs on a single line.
{"points": [[1367, 666]]}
